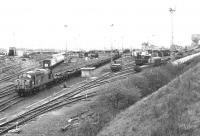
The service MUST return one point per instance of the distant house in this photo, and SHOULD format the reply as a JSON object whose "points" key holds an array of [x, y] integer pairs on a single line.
{"points": [[12, 51]]}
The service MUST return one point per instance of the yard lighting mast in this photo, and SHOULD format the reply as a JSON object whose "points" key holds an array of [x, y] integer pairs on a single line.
{"points": [[112, 25], [66, 26], [171, 10]]}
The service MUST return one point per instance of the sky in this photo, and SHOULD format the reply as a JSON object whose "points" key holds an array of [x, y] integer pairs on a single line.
{"points": [[87, 24]]}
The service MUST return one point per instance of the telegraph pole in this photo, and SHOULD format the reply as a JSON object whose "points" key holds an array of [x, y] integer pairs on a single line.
{"points": [[66, 26], [112, 25], [171, 10]]}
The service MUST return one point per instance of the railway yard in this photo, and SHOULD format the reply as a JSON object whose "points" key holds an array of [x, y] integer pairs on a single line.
{"points": [[11, 102], [99, 68], [7, 87], [63, 107]]}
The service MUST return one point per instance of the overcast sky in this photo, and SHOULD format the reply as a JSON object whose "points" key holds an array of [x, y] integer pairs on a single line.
{"points": [[40, 23]]}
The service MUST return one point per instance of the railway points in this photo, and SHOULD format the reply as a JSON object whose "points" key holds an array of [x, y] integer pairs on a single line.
{"points": [[8, 94], [70, 97]]}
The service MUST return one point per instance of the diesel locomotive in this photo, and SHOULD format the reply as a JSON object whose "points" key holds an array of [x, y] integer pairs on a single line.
{"points": [[33, 81], [38, 79]]}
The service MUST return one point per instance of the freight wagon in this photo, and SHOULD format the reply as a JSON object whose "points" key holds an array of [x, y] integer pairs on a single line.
{"points": [[52, 62]]}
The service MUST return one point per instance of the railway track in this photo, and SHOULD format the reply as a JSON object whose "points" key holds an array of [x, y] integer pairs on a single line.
{"points": [[8, 97], [7, 63], [6, 87], [17, 73], [71, 96], [10, 101], [9, 68], [74, 66], [7, 90], [6, 93], [12, 71]]}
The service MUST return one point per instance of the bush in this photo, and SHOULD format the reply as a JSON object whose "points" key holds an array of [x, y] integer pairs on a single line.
{"points": [[139, 82], [176, 113], [118, 97], [157, 78], [110, 102], [121, 94], [93, 126], [173, 70], [169, 126], [191, 63], [87, 129]]}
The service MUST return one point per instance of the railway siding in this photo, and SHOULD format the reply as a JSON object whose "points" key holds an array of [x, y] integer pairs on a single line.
{"points": [[60, 100], [7, 92]]}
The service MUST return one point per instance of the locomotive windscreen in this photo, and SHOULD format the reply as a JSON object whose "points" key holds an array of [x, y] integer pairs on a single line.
{"points": [[25, 75]]}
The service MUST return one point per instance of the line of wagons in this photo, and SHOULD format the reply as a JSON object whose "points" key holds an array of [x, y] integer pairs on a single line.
{"points": [[153, 57]]}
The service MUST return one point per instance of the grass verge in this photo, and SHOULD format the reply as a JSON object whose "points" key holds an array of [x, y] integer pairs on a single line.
{"points": [[173, 110], [116, 97]]}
